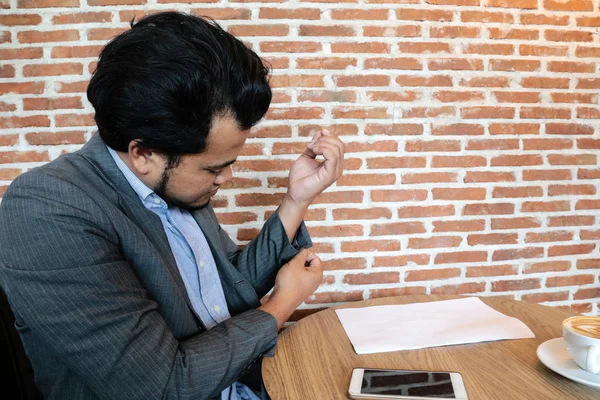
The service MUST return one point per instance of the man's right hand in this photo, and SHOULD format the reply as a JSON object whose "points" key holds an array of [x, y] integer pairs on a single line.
{"points": [[295, 281]]}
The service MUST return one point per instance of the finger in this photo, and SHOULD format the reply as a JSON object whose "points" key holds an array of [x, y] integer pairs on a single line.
{"points": [[315, 263], [315, 137], [333, 141]]}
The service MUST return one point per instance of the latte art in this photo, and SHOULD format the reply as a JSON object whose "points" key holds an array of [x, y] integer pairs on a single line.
{"points": [[587, 326]]}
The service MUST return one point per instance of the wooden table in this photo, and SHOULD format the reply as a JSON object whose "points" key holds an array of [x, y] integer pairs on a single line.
{"points": [[315, 359]]}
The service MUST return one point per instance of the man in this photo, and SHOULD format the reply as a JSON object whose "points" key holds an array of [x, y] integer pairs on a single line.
{"points": [[122, 282]]}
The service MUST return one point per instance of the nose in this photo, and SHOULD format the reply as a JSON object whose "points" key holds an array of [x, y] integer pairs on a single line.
{"points": [[225, 175]]}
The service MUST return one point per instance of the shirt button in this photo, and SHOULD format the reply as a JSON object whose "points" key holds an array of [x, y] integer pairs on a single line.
{"points": [[217, 308], [201, 264], [156, 201]]}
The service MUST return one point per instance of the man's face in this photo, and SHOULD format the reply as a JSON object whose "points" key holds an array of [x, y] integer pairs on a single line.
{"points": [[192, 183]]}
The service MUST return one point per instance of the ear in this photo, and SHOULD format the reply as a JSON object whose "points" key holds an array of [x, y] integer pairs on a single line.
{"points": [[143, 160]]}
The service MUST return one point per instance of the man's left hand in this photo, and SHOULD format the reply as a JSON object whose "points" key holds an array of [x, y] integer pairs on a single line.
{"points": [[309, 176]]}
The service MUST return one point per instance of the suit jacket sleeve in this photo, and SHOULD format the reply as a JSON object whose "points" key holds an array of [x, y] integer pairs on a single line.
{"points": [[67, 281], [260, 260]]}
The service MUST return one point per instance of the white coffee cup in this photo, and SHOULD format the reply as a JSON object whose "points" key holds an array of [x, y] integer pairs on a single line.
{"points": [[582, 339]]}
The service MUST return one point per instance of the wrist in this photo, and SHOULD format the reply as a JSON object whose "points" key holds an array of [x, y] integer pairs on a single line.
{"points": [[279, 307]]}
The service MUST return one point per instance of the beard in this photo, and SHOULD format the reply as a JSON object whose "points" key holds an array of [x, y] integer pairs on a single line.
{"points": [[161, 191]]}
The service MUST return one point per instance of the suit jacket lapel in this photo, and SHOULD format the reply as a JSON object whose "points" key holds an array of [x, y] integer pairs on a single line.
{"points": [[96, 153]]}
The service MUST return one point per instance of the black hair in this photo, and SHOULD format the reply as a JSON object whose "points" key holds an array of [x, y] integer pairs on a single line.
{"points": [[163, 82]]}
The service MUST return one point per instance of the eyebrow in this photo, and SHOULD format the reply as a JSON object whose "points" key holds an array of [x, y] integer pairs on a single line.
{"points": [[222, 165]]}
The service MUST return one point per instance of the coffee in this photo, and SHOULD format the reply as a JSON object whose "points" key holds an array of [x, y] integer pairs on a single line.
{"points": [[586, 326]]}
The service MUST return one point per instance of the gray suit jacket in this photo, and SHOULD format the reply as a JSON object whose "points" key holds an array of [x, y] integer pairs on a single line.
{"points": [[97, 296]]}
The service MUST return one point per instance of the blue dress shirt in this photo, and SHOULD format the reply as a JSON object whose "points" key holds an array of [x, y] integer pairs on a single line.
{"points": [[194, 260]]}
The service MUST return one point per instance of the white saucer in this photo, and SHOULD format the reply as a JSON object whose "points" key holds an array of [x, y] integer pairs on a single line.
{"points": [[554, 355]]}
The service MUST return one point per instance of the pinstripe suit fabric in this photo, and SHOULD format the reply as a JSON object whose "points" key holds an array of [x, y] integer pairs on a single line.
{"points": [[100, 305]]}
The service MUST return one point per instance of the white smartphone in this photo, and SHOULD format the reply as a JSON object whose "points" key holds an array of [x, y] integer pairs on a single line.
{"points": [[401, 384]]}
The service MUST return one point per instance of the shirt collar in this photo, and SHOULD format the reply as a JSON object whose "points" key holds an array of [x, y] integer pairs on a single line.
{"points": [[145, 194]]}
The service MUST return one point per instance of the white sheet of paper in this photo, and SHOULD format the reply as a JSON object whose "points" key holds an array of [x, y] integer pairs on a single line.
{"points": [[440, 323]]}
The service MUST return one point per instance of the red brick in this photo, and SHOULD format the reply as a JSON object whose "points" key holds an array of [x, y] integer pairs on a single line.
{"points": [[362, 80], [459, 193], [586, 51], [403, 63], [515, 65], [431, 274], [366, 180], [397, 228], [459, 226], [295, 113], [282, 13], [484, 176], [334, 297], [401, 261], [515, 223], [396, 31], [55, 138], [10, 157], [569, 5], [543, 19], [239, 183], [572, 220], [545, 206], [545, 297], [493, 144], [456, 64], [546, 175], [47, 3], [567, 250], [550, 266], [517, 191], [57, 103], [423, 15], [429, 112], [588, 205], [514, 34], [7, 71], [575, 280], [569, 66], [492, 238], [393, 129], [425, 211], [326, 63], [568, 129], [496, 270], [503, 49], [463, 288], [517, 160], [360, 113], [53, 69], [511, 285], [427, 177], [290, 47], [354, 47], [427, 81], [339, 197], [396, 162], [453, 97], [397, 96], [588, 264], [547, 144], [336, 231], [432, 146], [357, 214], [458, 161], [370, 246], [590, 98], [398, 195], [553, 236], [402, 291], [344, 264], [104, 33], [9, 140], [545, 113], [455, 32], [81, 17], [358, 14], [588, 174], [518, 97], [21, 54], [573, 159], [588, 113], [48, 36], [568, 36], [423, 47], [24, 122], [486, 16], [434, 242], [487, 112], [571, 190], [374, 277], [460, 257], [457, 129], [545, 83], [20, 19], [542, 51], [489, 209], [589, 293], [514, 254], [492, 81]]}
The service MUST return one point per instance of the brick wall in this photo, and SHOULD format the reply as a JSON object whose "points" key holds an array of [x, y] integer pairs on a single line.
{"points": [[471, 131]]}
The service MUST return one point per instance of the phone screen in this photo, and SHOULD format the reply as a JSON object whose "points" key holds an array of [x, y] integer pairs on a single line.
{"points": [[408, 383]]}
